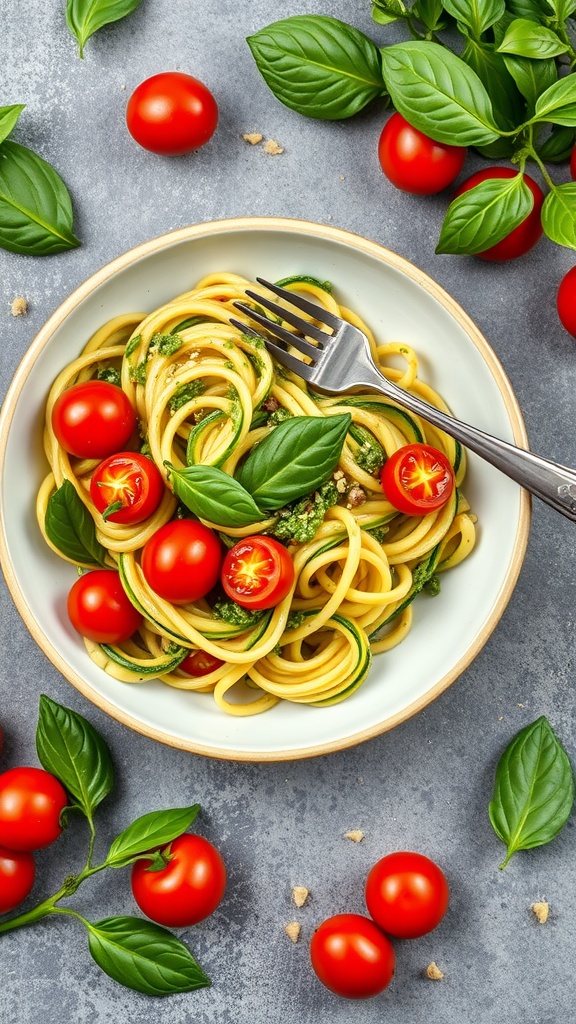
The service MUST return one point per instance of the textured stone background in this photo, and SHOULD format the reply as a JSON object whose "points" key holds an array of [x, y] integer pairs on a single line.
{"points": [[424, 786]]}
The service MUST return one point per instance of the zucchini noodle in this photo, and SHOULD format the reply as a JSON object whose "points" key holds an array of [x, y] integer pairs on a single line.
{"points": [[207, 397]]}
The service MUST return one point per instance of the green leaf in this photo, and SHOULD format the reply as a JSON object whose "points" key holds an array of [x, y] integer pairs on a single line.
{"points": [[562, 8], [71, 528], [35, 207], [431, 13], [532, 77], [526, 39], [318, 66], [438, 93], [477, 15], [8, 118], [151, 830], [559, 214], [85, 17], [558, 103], [143, 956], [531, 9], [71, 749], [507, 104], [294, 459], [534, 789], [213, 495], [485, 214], [558, 146]]}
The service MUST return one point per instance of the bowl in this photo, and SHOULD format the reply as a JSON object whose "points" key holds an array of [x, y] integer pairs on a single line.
{"points": [[398, 301]]}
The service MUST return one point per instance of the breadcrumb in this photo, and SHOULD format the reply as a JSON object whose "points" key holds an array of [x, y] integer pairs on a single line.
{"points": [[293, 930], [253, 138], [541, 911], [19, 306], [355, 835], [272, 147], [433, 972], [299, 895]]}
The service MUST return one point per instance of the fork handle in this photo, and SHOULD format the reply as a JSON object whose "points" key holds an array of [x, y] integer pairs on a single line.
{"points": [[552, 483]]}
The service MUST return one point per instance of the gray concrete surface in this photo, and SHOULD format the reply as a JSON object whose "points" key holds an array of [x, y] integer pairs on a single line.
{"points": [[424, 786]]}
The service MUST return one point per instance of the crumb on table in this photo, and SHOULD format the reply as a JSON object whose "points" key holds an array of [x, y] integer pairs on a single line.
{"points": [[433, 972], [293, 930], [541, 911], [253, 138], [19, 306], [355, 835], [272, 147], [299, 895]]}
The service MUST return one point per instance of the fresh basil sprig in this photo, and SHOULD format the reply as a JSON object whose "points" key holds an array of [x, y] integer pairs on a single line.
{"points": [[70, 527], [213, 495], [534, 789], [85, 17]]}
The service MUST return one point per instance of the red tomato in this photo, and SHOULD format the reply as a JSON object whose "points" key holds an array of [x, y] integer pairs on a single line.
{"points": [[414, 162], [131, 480], [573, 163], [181, 561], [417, 479], [199, 663], [258, 572], [31, 801], [406, 894], [93, 419], [566, 301], [188, 889], [171, 114], [17, 870], [99, 608], [525, 235], [352, 957]]}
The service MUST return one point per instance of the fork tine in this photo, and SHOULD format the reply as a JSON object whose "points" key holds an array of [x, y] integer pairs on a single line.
{"points": [[306, 347], [301, 325], [298, 366], [312, 308]]}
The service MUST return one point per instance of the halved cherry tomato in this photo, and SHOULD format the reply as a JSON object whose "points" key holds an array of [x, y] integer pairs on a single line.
{"points": [[199, 663], [17, 870], [99, 608], [127, 487], [417, 479], [93, 420], [181, 561], [257, 572]]}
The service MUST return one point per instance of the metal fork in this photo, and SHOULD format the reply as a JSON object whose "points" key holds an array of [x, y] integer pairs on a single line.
{"points": [[342, 361]]}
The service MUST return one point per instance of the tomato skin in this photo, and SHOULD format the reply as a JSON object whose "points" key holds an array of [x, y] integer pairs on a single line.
{"points": [[181, 561], [566, 302], [417, 479], [188, 889], [131, 478], [406, 894], [99, 608], [31, 801], [523, 237], [17, 871], [258, 572], [573, 164], [93, 420], [414, 162], [352, 957], [171, 114], [199, 663]]}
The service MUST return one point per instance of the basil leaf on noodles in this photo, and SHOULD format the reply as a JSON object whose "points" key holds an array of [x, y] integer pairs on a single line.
{"points": [[213, 495], [294, 459], [71, 529]]}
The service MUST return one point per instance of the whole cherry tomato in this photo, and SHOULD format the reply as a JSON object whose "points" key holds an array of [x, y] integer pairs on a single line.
{"points": [[181, 561], [17, 870], [171, 114], [31, 802], [257, 572], [523, 237], [406, 894], [93, 419], [351, 956], [566, 302], [417, 479], [187, 889], [99, 608], [127, 488], [199, 663], [414, 162]]}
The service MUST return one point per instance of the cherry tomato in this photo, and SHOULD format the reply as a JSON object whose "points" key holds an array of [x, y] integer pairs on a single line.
{"points": [[566, 301], [526, 234], [99, 608], [31, 801], [573, 163], [406, 894], [258, 572], [93, 419], [414, 162], [417, 479], [352, 957], [199, 663], [181, 561], [131, 480], [17, 870], [171, 114], [187, 889]]}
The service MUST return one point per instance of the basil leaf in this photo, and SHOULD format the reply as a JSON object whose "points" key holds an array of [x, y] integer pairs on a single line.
{"points": [[534, 789], [35, 207], [531, 9], [562, 8], [532, 77], [8, 117], [526, 39], [484, 215], [477, 15], [70, 527], [143, 956], [431, 13], [438, 93], [507, 104], [294, 459], [151, 830], [71, 749], [559, 214], [85, 17], [557, 148], [558, 103], [213, 495], [318, 66]]}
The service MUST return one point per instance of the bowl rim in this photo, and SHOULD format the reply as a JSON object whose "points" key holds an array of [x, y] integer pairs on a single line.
{"points": [[349, 239]]}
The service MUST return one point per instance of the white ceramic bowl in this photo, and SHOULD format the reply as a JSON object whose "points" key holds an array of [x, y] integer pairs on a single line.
{"points": [[397, 301]]}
